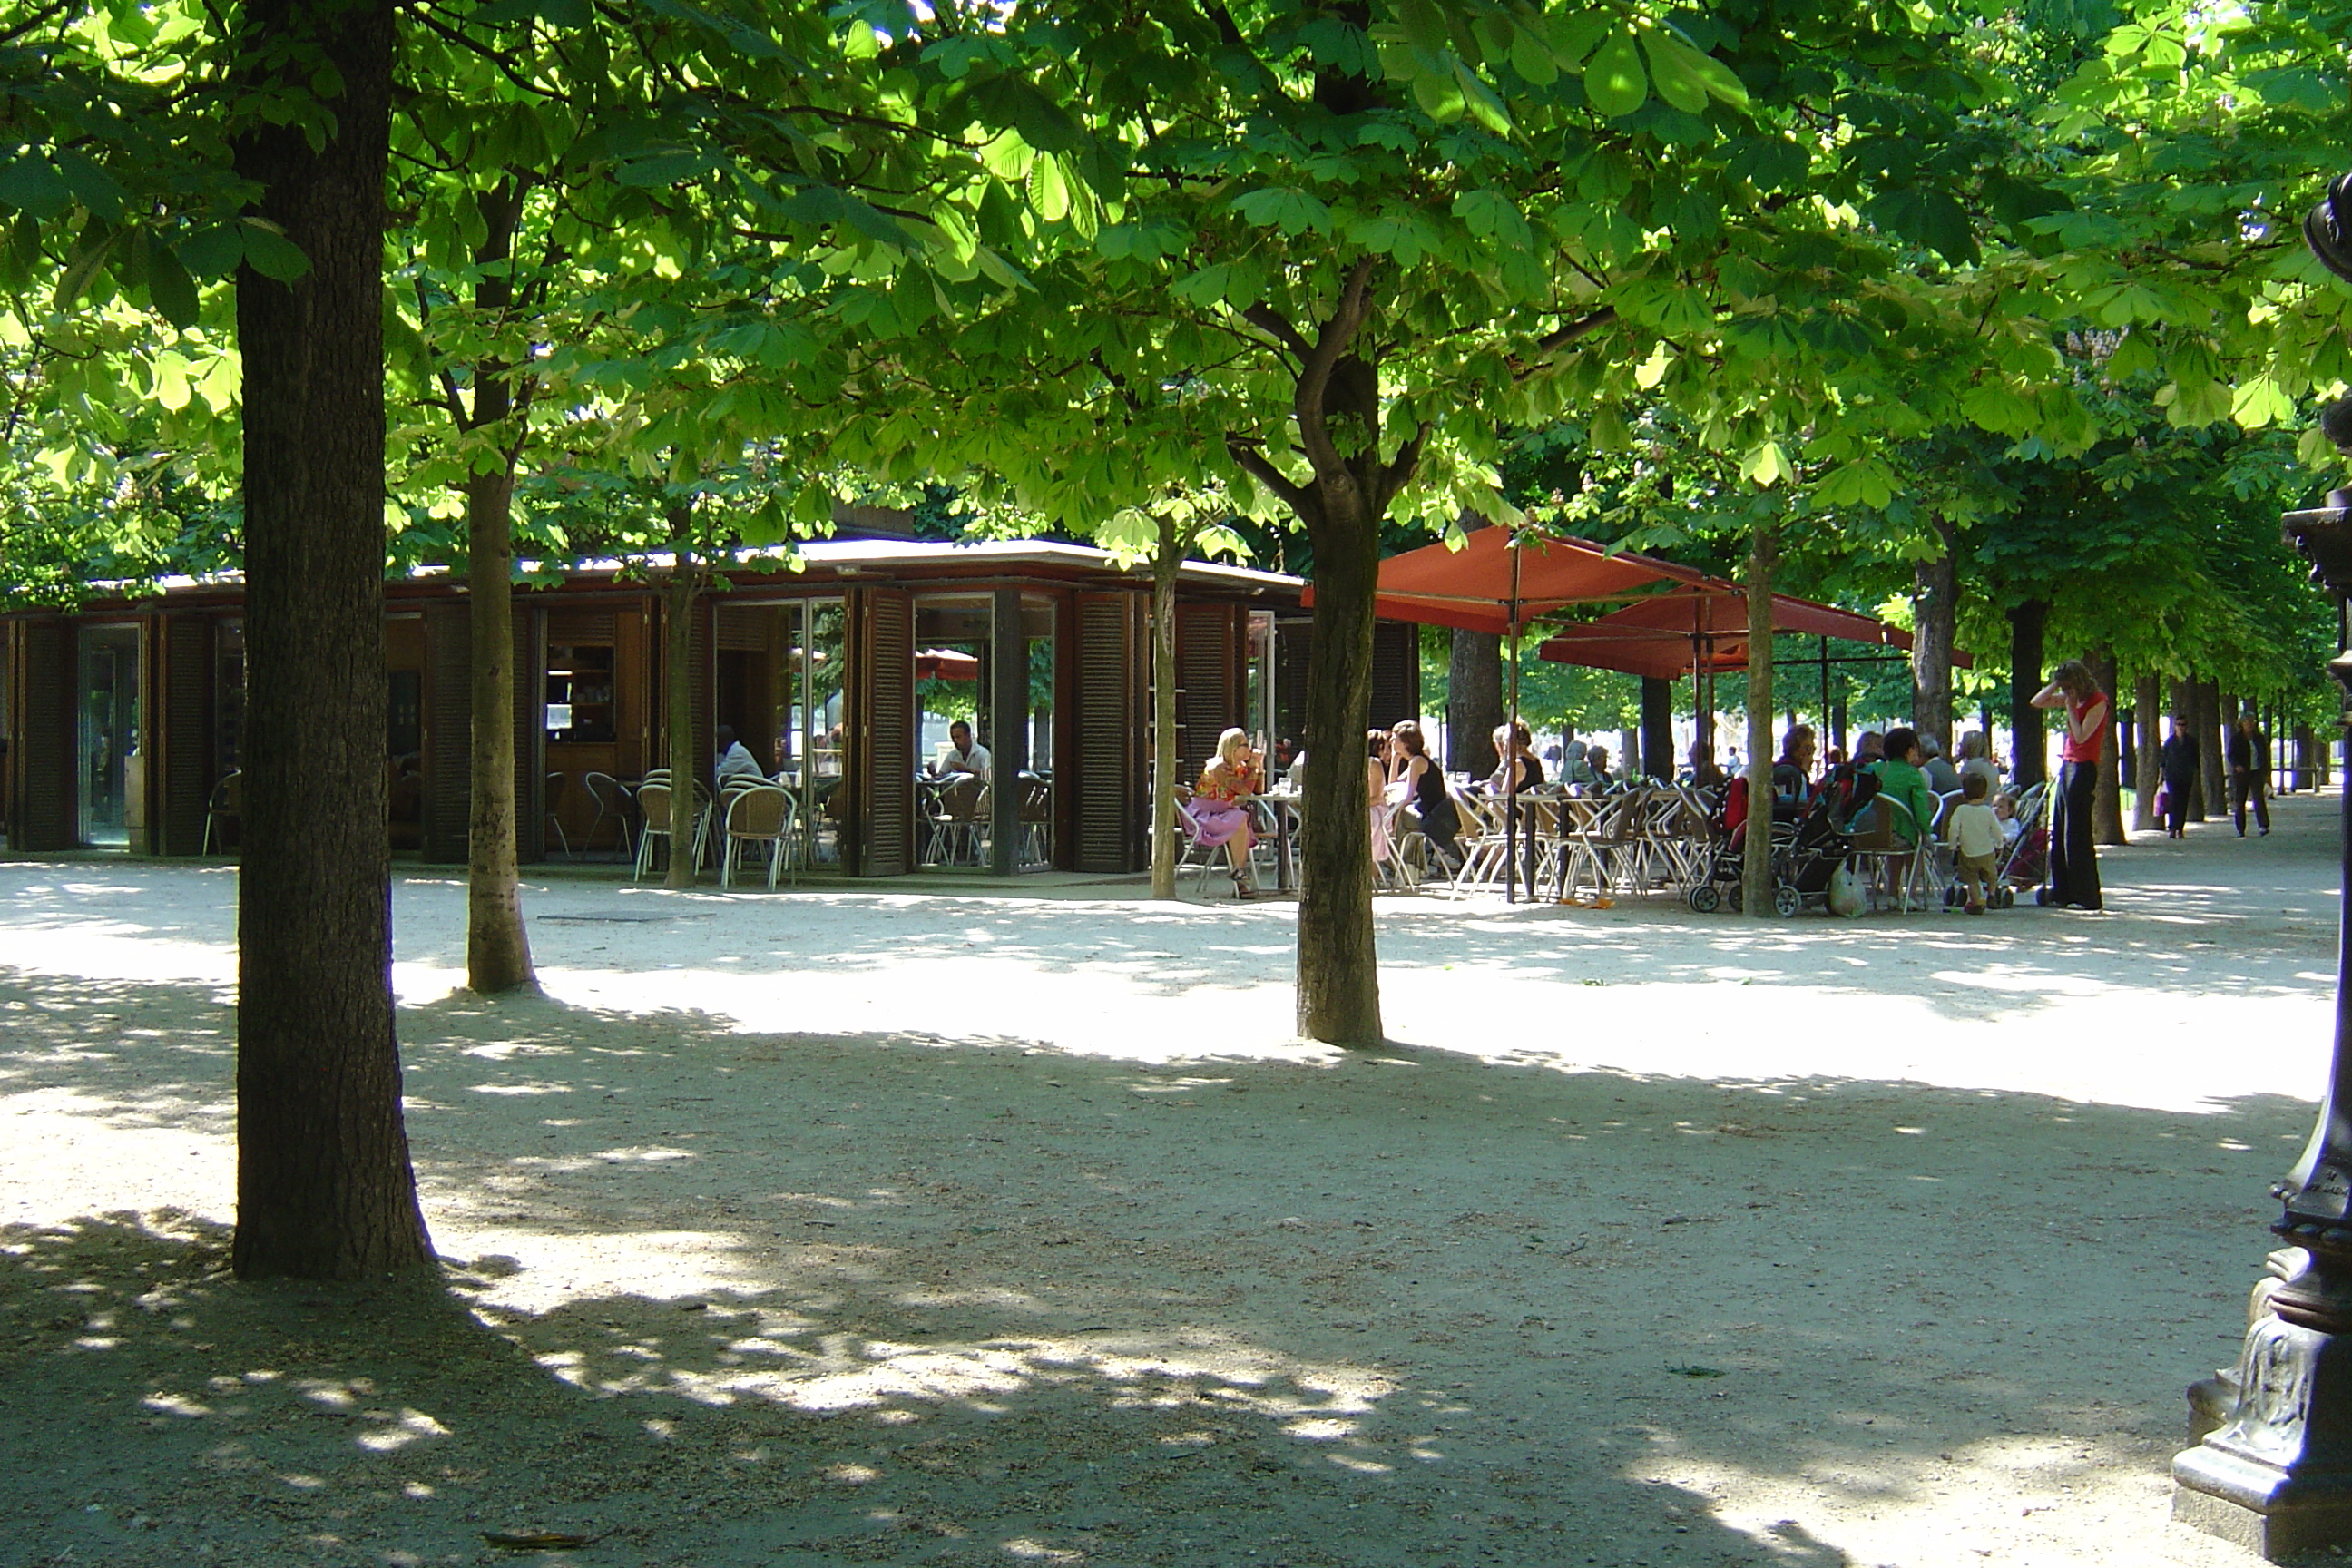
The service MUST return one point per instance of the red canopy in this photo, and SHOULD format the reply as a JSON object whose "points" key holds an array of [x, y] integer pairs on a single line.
{"points": [[1472, 587], [1705, 625], [946, 664]]}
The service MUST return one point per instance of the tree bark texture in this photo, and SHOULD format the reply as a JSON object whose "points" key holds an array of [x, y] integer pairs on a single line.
{"points": [[325, 1190], [1167, 556], [2212, 771], [677, 705], [2147, 725], [2107, 800], [1474, 703], [2030, 765], [1755, 854], [1936, 605], [498, 947], [1336, 407]]}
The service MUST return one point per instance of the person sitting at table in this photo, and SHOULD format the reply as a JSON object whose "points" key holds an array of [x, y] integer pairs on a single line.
{"points": [[965, 758], [735, 760], [1513, 744], [1703, 773], [1792, 770], [1942, 777], [1220, 803], [1898, 775], [1424, 786]]}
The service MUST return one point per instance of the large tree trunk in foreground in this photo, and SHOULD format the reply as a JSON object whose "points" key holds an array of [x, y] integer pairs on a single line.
{"points": [[1755, 853], [497, 948], [1474, 703], [2030, 765], [678, 706], [324, 1186], [1339, 976], [2147, 725], [1936, 605], [2107, 801], [1164, 563]]}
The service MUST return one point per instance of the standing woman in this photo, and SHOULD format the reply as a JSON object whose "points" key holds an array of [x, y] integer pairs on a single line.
{"points": [[2074, 857], [2180, 764]]}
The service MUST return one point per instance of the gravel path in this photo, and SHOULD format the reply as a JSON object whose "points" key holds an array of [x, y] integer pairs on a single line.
{"points": [[886, 1228]]}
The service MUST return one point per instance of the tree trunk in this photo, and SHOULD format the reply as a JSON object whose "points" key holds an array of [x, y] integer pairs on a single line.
{"points": [[2214, 769], [1474, 703], [2147, 708], [1756, 869], [2303, 777], [682, 589], [1935, 603], [1339, 975], [1165, 564], [2107, 802], [498, 947], [325, 1190], [2031, 764]]}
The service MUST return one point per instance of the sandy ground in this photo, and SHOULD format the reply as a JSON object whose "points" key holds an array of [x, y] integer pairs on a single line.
{"points": [[884, 1227]]}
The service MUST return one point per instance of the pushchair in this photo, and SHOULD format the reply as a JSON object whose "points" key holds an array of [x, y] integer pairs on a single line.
{"points": [[1809, 844], [2025, 859]]}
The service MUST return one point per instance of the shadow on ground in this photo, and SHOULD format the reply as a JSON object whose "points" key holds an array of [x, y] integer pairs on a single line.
{"points": [[722, 1298]]}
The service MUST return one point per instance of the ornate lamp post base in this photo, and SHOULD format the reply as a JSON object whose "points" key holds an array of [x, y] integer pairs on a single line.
{"points": [[2274, 1469], [2275, 1475]]}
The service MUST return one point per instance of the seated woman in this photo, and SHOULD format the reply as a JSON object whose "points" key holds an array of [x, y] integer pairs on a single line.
{"points": [[1376, 794], [1793, 773], [1513, 744], [1424, 786], [1237, 774]]}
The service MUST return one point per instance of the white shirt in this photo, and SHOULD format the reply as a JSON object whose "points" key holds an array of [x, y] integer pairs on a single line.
{"points": [[1975, 830], [738, 760], [953, 762]]}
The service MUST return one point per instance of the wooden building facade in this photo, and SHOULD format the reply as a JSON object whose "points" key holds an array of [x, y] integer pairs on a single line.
{"points": [[121, 721]]}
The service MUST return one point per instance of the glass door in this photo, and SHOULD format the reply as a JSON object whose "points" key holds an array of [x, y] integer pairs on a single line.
{"points": [[112, 768]]}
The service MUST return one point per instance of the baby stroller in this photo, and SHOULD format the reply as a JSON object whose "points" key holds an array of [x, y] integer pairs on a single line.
{"points": [[1809, 844], [2025, 859]]}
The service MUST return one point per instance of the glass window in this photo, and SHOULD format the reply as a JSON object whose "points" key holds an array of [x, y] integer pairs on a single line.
{"points": [[112, 763]]}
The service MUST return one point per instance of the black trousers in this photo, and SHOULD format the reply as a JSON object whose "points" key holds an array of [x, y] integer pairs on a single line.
{"points": [[2245, 783], [2074, 857], [2176, 805]]}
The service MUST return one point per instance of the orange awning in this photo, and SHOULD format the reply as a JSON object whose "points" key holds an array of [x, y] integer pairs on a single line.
{"points": [[1472, 587], [1705, 627]]}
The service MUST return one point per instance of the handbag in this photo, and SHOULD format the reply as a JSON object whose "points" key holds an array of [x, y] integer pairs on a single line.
{"points": [[2163, 801]]}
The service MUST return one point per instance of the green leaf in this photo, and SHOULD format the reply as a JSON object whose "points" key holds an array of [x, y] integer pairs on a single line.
{"points": [[1670, 69], [1767, 465], [268, 252], [90, 253], [1927, 217], [2260, 401], [32, 186], [1531, 56], [1613, 78], [1866, 482], [170, 287], [92, 185], [1294, 211]]}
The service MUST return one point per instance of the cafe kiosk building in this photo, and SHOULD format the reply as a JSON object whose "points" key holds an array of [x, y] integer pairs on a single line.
{"points": [[122, 719]]}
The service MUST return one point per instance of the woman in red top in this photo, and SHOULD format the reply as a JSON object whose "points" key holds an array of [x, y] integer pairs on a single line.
{"points": [[2073, 859]]}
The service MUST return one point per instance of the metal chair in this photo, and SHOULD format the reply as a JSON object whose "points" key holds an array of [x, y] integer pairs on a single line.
{"points": [[559, 785], [1197, 851], [227, 802], [612, 798], [759, 815], [653, 798], [1036, 820]]}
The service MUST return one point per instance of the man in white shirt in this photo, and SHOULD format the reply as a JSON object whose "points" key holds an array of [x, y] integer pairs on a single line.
{"points": [[965, 756], [735, 759]]}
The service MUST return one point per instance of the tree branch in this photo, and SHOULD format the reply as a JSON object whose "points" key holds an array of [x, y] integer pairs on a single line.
{"points": [[1314, 370], [1259, 466], [1276, 325], [1398, 469]]}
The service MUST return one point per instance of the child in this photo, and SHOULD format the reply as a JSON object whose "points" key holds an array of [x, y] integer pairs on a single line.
{"points": [[2004, 808], [1976, 842]]}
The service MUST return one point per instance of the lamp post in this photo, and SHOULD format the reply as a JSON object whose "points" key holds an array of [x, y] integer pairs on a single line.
{"points": [[2274, 1468]]}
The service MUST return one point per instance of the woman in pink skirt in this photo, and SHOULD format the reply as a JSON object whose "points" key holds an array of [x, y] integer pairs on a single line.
{"points": [[1219, 803]]}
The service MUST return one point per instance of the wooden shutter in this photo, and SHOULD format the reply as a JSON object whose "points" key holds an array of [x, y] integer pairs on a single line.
{"points": [[1109, 787], [42, 754], [528, 692], [881, 733], [1396, 673], [1292, 638], [184, 726], [582, 628], [745, 628], [449, 731], [1209, 690]]}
